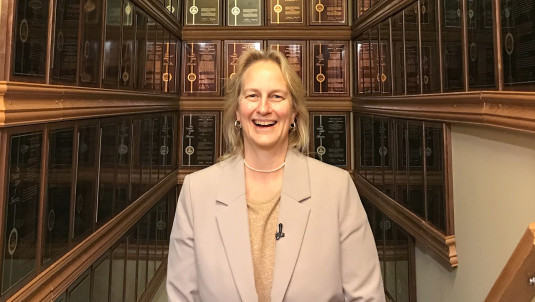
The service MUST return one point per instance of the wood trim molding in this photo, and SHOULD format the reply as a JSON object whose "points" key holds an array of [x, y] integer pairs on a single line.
{"points": [[441, 246], [266, 33], [54, 280], [313, 103], [504, 109], [513, 283], [24, 103], [377, 14], [155, 9]]}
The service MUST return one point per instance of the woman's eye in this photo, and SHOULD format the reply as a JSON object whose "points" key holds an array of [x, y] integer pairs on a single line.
{"points": [[277, 97], [251, 96]]}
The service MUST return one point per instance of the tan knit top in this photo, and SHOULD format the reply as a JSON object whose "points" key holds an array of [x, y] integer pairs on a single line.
{"points": [[263, 220]]}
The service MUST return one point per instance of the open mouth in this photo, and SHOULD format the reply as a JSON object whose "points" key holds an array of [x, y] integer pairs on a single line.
{"points": [[264, 123]]}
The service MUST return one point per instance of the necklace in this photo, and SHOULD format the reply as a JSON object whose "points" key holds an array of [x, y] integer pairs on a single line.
{"points": [[264, 171]]}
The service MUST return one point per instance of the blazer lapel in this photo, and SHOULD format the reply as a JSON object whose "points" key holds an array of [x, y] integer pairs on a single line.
{"points": [[233, 224], [293, 215]]}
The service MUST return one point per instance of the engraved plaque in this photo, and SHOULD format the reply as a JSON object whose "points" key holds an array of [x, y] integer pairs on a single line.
{"points": [[30, 38], [126, 74], [453, 66], [330, 138], [233, 51], [286, 12], [85, 197], [65, 41], [244, 12], [108, 161], [329, 74], [201, 68], [369, 75], [112, 43], [199, 139], [169, 65], [20, 221], [202, 12], [294, 52], [141, 51], [328, 12], [91, 39], [452, 13]]}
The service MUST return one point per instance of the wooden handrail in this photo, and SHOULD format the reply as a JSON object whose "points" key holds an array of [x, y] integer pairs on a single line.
{"points": [[517, 279]]}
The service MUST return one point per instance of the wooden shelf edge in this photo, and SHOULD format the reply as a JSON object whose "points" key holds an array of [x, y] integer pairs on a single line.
{"points": [[190, 33], [442, 247], [51, 283], [502, 109], [332, 104]]}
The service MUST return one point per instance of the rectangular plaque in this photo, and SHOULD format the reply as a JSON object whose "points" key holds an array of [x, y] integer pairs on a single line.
{"points": [[128, 59], [233, 51], [453, 67], [151, 54], [112, 43], [108, 160], [294, 52], [22, 202], [65, 41], [330, 141], [201, 68], [328, 12], [91, 39], [368, 67], [30, 38], [244, 12], [199, 139], [329, 72], [141, 49], [169, 65], [452, 13], [286, 12], [202, 12]]}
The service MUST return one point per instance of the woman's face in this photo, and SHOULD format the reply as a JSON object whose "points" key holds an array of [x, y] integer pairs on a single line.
{"points": [[265, 107]]}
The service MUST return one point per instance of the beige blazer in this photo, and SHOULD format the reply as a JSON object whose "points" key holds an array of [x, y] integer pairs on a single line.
{"points": [[327, 254]]}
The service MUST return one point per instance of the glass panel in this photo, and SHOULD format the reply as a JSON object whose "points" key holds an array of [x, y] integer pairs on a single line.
{"points": [[375, 63], [159, 53], [416, 193], [412, 52], [130, 290], [244, 13], [430, 46], [128, 46], [436, 199], [166, 145], [481, 44], [101, 280], [31, 32], [402, 265], [398, 57], [150, 54], [137, 172], [65, 49], [151, 234], [169, 64], [112, 43], [108, 158], [85, 184], [21, 209], [80, 291], [366, 146], [146, 152], [385, 76], [118, 271], [365, 77], [141, 48], [452, 46], [91, 37], [122, 193], [155, 152], [143, 253], [58, 202], [401, 173]]}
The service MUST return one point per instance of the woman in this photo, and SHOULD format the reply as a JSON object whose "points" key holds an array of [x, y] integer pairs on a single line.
{"points": [[268, 223]]}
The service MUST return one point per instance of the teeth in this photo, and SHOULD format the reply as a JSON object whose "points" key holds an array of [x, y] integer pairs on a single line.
{"points": [[264, 123]]}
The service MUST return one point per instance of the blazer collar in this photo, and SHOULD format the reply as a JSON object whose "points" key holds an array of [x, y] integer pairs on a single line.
{"points": [[233, 223]]}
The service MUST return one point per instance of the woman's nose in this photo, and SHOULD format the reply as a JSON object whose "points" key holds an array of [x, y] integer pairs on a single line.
{"points": [[264, 106]]}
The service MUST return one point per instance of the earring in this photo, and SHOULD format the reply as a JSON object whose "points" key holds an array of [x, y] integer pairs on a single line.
{"points": [[237, 125], [293, 126]]}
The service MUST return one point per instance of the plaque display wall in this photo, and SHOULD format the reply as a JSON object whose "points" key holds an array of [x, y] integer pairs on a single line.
{"points": [[518, 40], [22, 202], [200, 143], [332, 12], [91, 39], [202, 12], [58, 202], [329, 72], [295, 52], [30, 38], [286, 12], [233, 51], [200, 69], [331, 137], [65, 41], [244, 12]]}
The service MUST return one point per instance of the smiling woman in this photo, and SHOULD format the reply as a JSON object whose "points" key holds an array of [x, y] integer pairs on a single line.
{"points": [[268, 223]]}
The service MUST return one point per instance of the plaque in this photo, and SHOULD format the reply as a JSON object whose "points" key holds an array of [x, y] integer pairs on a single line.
{"points": [[201, 68], [155, 150], [65, 41], [294, 52], [518, 40], [244, 12], [366, 141], [286, 12], [329, 74], [159, 52], [126, 74], [369, 75], [30, 38], [169, 65], [363, 6], [22, 202], [145, 152], [199, 139], [108, 161], [91, 39], [453, 66], [331, 138], [452, 13], [233, 51], [328, 12], [137, 167], [202, 12], [381, 143], [166, 149], [123, 153], [412, 68], [112, 43]]}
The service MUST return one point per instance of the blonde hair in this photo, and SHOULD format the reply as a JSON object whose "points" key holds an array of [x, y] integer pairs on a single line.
{"points": [[297, 139]]}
